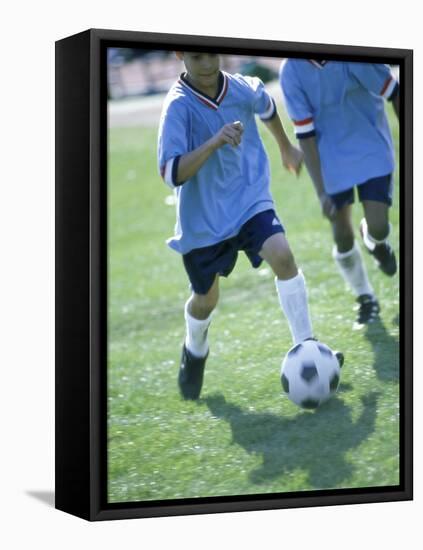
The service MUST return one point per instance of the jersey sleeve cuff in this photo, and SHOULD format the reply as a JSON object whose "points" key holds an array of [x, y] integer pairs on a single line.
{"points": [[304, 128], [270, 111], [170, 172]]}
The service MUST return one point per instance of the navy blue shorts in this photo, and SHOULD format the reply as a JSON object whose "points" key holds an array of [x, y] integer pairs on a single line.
{"points": [[376, 189], [203, 264]]}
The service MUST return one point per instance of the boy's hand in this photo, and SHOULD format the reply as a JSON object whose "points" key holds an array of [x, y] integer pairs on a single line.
{"points": [[328, 206], [230, 133], [292, 159]]}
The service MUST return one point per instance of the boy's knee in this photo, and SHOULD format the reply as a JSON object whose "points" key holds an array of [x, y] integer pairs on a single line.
{"points": [[344, 238], [344, 243], [202, 305], [284, 264], [378, 229]]}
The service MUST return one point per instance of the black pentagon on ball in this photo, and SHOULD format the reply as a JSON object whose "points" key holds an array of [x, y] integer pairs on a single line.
{"points": [[324, 350], [293, 351], [309, 404], [308, 371], [285, 383], [334, 382]]}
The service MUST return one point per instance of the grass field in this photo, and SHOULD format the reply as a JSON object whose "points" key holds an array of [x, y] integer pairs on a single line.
{"points": [[243, 436]]}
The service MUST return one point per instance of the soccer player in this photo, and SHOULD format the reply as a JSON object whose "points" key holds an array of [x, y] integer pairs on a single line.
{"points": [[210, 153], [339, 117]]}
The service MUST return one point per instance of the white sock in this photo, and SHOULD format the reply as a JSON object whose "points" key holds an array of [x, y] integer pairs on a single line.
{"points": [[370, 241], [196, 334], [294, 303], [353, 270]]}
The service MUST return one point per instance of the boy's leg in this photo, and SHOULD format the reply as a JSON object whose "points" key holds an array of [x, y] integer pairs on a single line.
{"points": [[195, 350], [351, 266], [198, 310], [290, 286], [347, 254], [375, 229], [377, 218], [376, 196]]}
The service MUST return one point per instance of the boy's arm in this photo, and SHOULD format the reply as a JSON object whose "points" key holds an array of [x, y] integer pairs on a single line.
{"points": [[378, 79], [190, 163], [292, 157], [312, 162]]}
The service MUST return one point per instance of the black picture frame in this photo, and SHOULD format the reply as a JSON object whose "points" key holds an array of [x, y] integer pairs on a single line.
{"points": [[81, 274]]}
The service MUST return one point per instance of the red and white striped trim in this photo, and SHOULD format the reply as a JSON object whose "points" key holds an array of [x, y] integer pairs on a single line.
{"points": [[388, 87], [224, 89], [213, 103], [304, 126], [201, 97]]}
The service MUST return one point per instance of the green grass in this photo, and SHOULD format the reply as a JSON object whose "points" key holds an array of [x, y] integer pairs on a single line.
{"points": [[243, 436]]}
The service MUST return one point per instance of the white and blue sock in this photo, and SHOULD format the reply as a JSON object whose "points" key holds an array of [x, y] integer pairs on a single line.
{"points": [[294, 303], [196, 333], [353, 270]]}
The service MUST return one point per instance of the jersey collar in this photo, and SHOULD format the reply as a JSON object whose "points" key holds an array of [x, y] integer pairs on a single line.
{"points": [[318, 64], [212, 102]]}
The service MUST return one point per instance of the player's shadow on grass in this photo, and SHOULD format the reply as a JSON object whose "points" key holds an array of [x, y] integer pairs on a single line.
{"points": [[315, 443], [385, 350]]}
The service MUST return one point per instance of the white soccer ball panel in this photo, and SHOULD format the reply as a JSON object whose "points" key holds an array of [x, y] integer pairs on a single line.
{"points": [[310, 374]]}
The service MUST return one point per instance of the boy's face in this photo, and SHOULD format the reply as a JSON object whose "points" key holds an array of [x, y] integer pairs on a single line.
{"points": [[202, 68]]}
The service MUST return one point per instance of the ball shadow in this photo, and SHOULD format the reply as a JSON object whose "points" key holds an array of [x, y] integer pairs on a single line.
{"points": [[315, 443]]}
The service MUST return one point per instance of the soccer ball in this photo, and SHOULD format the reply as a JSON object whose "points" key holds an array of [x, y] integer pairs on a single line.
{"points": [[310, 374]]}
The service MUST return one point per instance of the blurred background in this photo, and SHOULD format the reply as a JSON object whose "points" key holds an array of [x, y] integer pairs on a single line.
{"points": [[134, 72], [137, 80]]}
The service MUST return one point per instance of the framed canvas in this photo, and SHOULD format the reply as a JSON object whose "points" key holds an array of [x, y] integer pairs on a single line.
{"points": [[174, 399]]}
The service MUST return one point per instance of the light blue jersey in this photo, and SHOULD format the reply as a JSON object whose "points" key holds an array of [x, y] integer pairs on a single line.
{"points": [[232, 186], [342, 105]]}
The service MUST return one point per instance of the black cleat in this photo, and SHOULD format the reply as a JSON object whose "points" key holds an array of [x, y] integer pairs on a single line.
{"points": [[368, 310], [340, 356], [385, 258], [191, 374], [382, 253]]}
